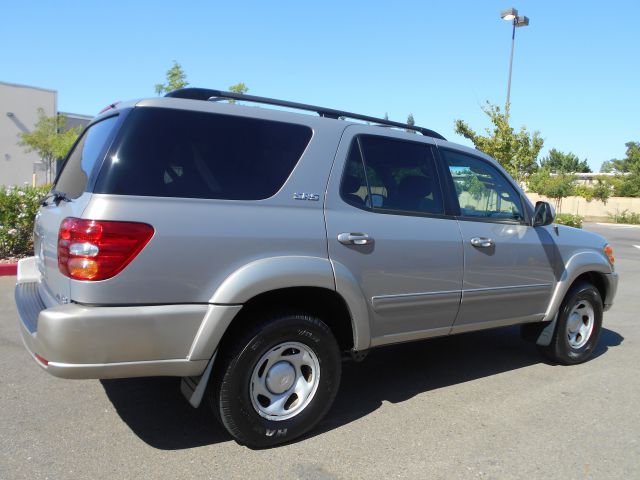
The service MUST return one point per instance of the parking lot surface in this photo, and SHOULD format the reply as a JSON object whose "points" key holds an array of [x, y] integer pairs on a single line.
{"points": [[480, 405]]}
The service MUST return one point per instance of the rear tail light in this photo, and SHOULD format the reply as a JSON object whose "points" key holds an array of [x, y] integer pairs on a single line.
{"points": [[96, 249]]}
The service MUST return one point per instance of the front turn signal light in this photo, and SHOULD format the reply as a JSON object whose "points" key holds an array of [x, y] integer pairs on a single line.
{"points": [[608, 251]]}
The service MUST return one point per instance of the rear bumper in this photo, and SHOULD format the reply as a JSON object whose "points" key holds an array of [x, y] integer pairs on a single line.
{"points": [[77, 341]]}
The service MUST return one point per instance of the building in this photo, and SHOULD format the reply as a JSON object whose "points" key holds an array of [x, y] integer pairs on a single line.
{"points": [[19, 113]]}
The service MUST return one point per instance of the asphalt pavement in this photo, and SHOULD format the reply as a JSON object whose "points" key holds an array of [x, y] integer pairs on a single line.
{"points": [[479, 405]]}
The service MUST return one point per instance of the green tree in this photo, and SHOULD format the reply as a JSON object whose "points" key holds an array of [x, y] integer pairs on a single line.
{"points": [[629, 164], [556, 186], [600, 191], [627, 182], [517, 152], [240, 88], [559, 162], [50, 139], [606, 167], [411, 122], [176, 79]]}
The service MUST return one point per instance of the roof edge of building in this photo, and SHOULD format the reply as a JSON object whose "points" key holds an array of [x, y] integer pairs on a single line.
{"points": [[19, 85]]}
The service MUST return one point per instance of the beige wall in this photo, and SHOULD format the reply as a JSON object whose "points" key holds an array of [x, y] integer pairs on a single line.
{"points": [[21, 103], [594, 210]]}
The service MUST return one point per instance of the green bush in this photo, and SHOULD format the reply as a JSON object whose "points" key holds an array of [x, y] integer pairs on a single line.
{"points": [[18, 207], [624, 217], [569, 220]]}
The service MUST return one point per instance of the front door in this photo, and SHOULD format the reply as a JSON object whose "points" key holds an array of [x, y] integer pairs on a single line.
{"points": [[508, 275], [388, 226]]}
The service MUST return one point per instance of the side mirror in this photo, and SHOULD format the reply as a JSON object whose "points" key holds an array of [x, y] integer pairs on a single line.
{"points": [[544, 214]]}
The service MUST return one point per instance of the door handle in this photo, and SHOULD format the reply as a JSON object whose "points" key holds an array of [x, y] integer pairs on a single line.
{"points": [[482, 242], [355, 239]]}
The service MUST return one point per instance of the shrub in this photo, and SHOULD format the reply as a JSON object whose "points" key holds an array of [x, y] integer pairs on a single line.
{"points": [[624, 217], [18, 207], [569, 220]]}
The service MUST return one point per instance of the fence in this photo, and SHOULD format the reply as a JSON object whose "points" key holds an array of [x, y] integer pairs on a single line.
{"points": [[594, 210]]}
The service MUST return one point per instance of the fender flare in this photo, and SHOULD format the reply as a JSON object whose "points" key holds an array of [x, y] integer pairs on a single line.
{"points": [[581, 262], [273, 273], [349, 289], [268, 274]]}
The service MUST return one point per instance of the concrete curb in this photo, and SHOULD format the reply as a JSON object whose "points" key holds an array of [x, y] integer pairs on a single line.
{"points": [[7, 269]]}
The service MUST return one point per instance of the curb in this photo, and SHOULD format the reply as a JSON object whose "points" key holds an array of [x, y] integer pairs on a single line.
{"points": [[7, 269]]}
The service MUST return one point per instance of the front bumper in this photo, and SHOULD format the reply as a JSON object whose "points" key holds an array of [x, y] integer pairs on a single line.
{"points": [[78, 341]]}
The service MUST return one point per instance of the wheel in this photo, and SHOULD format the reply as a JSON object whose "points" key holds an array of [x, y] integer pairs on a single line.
{"points": [[578, 326], [277, 380]]}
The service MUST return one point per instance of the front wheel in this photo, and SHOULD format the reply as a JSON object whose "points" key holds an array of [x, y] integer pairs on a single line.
{"points": [[277, 380], [578, 326]]}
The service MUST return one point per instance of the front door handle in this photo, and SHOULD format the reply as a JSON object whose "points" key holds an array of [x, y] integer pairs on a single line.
{"points": [[482, 242], [355, 239]]}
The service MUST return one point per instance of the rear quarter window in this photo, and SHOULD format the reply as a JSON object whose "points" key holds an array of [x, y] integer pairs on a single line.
{"points": [[179, 153], [86, 152]]}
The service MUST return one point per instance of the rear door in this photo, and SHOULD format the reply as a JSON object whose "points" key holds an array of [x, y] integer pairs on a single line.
{"points": [[388, 225], [508, 274], [72, 182]]}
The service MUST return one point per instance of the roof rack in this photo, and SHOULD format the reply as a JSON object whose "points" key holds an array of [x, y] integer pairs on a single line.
{"points": [[214, 95]]}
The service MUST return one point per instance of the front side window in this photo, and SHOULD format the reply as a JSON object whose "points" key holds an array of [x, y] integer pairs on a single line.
{"points": [[482, 191], [391, 175]]}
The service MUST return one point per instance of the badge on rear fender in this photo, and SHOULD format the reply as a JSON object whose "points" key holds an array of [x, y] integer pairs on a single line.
{"points": [[313, 197]]}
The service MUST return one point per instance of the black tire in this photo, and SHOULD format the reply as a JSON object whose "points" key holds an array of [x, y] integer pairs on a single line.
{"points": [[569, 352], [230, 395]]}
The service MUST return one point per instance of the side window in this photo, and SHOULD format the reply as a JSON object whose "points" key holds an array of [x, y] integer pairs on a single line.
{"points": [[180, 153], [77, 169], [394, 175], [401, 175], [483, 192], [353, 188]]}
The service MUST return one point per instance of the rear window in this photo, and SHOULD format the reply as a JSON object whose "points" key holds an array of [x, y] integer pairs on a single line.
{"points": [[77, 169], [177, 153]]}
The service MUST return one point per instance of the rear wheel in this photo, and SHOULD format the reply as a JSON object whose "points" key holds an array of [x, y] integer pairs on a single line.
{"points": [[578, 326], [277, 380]]}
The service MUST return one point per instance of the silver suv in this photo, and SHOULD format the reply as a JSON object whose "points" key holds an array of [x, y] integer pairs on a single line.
{"points": [[248, 250]]}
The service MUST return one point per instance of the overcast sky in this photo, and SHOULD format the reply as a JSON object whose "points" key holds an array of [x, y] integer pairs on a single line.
{"points": [[575, 75]]}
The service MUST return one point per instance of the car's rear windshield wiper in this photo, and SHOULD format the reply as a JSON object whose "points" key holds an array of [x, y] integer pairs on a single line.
{"points": [[57, 197]]}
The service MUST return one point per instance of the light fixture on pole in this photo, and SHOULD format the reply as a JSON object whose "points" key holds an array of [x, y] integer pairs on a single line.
{"points": [[511, 15]]}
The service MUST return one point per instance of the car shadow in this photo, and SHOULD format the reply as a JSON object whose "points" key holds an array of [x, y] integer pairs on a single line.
{"points": [[157, 413]]}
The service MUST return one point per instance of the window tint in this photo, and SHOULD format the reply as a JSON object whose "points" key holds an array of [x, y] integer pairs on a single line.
{"points": [[176, 153], [482, 190], [401, 176], [353, 188], [78, 167]]}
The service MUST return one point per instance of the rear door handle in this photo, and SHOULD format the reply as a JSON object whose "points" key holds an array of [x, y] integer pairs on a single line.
{"points": [[482, 242], [355, 239]]}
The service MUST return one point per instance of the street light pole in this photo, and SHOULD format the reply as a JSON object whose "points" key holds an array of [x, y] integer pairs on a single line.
{"points": [[513, 45], [511, 14]]}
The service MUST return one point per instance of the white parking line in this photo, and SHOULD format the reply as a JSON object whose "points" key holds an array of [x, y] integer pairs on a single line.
{"points": [[637, 246], [618, 225]]}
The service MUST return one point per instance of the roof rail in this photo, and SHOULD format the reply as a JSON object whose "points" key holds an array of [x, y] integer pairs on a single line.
{"points": [[214, 95]]}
